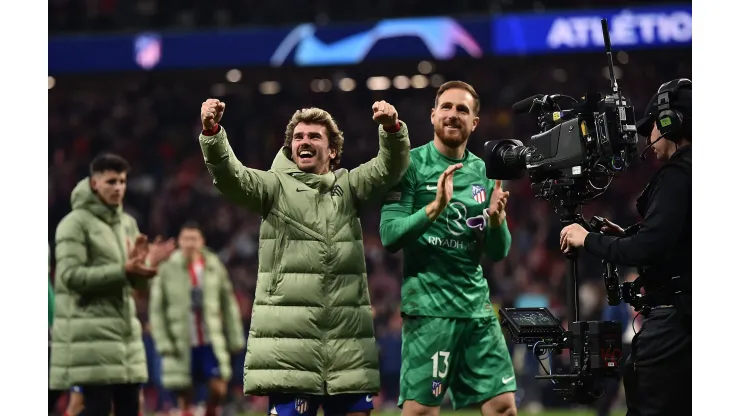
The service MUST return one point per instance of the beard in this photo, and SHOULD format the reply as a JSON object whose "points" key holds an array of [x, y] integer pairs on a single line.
{"points": [[453, 138]]}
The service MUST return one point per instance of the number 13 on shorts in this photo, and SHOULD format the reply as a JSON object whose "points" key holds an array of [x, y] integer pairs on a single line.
{"points": [[468, 357], [437, 371]]}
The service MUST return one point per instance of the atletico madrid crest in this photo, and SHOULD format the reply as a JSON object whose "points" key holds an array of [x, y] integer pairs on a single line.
{"points": [[479, 194], [436, 388], [301, 405]]}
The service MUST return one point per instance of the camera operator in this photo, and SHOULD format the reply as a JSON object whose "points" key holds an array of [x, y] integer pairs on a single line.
{"points": [[657, 373]]}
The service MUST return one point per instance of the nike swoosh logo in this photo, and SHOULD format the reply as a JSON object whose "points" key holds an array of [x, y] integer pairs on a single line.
{"points": [[431, 188], [369, 398], [507, 380], [301, 190]]}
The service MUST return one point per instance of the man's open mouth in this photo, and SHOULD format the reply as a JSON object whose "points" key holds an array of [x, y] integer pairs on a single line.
{"points": [[306, 154]]}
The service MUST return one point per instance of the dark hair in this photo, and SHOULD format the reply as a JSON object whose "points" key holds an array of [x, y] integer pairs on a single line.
{"points": [[109, 161], [190, 225], [451, 85]]}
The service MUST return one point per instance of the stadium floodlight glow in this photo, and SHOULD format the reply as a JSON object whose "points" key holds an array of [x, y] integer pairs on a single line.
{"points": [[617, 72], [320, 85], [401, 82], [436, 80], [419, 81], [324, 85], [560, 75], [315, 87], [269, 87], [347, 84], [425, 67], [234, 75], [378, 83]]}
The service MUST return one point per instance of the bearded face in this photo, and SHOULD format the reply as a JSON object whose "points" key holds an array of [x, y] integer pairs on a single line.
{"points": [[453, 118]]}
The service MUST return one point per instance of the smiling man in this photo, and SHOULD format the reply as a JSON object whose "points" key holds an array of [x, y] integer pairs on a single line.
{"points": [[451, 336], [311, 342]]}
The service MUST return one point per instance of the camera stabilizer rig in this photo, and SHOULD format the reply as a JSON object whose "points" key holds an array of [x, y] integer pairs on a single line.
{"points": [[596, 139], [595, 346]]}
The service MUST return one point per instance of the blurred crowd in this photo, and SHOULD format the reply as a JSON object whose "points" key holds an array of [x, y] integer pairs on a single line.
{"points": [[152, 119], [74, 16]]}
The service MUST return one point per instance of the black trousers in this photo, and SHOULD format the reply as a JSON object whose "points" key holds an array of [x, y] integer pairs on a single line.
{"points": [[657, 373], [122, 398]]}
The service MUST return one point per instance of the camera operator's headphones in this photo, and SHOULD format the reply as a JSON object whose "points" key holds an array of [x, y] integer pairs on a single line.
{"points": [[670, 121]]}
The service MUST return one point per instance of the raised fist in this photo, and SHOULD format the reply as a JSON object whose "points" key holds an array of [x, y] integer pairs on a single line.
{"points": [[385, 114], [211, 112]]}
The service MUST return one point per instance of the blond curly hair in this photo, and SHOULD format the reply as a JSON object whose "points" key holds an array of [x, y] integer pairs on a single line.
{"points": [[315, 115]]}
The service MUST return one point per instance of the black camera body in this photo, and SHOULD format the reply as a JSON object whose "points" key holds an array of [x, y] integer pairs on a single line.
{"points": [[595, 348], [582, 148], [571, 161]]}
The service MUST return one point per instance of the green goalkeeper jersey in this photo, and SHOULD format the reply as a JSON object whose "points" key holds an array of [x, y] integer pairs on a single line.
{"points": [[442, 276]]}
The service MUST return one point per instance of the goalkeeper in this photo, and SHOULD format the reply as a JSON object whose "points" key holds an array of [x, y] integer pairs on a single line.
{"points": [[445, 214]]}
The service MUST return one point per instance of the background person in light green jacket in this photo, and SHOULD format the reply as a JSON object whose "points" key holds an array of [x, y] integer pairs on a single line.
{"points": [[100, 256], [311, 340], [195, 321]]}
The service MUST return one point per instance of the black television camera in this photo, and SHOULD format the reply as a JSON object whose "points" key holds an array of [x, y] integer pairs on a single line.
{"points": [[571, 161]]}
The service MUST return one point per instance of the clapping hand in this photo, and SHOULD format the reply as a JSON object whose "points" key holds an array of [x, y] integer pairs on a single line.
{"points": [[144, 258], [445, 186], [136, 264], [159, 251], [497, 205]]}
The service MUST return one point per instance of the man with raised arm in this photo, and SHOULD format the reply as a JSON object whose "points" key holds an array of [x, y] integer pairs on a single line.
{"points": [[311, 342]]}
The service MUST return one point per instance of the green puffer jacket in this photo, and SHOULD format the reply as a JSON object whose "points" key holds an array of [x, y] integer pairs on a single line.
{"points": [[170, 315], [312, 329], [96, 337]]}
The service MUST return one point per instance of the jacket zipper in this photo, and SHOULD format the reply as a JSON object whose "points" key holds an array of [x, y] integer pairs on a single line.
{"points": [[325, 309], [278, 258]]}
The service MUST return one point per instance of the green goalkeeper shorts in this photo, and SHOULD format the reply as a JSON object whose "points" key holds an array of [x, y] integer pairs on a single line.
{"points": [[467, 356]]}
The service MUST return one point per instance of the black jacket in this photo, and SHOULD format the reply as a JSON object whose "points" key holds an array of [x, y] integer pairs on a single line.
{"points": [[662, 246]]}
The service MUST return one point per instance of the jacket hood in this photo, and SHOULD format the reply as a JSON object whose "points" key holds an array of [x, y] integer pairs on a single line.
{"points": [[285, 164], [83, 197]]}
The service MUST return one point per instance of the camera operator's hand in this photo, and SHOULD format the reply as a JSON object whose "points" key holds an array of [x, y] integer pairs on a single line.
{"points": [[572, 237], [611, 228], [444, 192], [497, 205]]}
